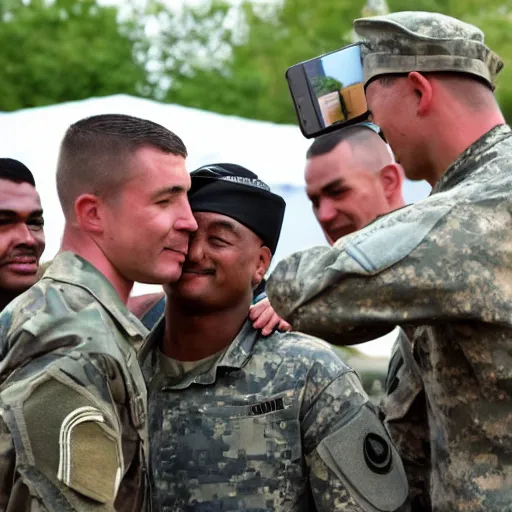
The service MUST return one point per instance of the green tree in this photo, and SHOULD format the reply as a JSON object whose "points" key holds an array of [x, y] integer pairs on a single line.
{"points": [[63, 50], [232, 59]]}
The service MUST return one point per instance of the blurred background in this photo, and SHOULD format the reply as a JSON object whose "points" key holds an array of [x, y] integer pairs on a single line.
{"points": [[212, 71], [225, 56]]}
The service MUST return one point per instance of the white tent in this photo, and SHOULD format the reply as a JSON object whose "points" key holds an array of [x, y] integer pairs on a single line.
{"points": [[274, 152]]}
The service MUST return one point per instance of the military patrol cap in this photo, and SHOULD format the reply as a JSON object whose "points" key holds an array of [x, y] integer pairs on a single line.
{"points": [[408, 41]]}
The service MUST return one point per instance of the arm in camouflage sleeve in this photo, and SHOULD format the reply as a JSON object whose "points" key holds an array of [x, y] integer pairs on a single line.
{"points": [[63, 453], [337, 427], [416, 265], [14, 493]]}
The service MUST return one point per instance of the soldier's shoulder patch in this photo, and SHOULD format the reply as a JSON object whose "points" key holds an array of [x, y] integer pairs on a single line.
{"points": [[89, 458], [363, 457], [74, 439]]}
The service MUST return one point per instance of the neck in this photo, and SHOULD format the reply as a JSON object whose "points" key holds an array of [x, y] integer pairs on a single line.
{"points": [[397, 202], [85, 247], [193, 336], [460, 131]]}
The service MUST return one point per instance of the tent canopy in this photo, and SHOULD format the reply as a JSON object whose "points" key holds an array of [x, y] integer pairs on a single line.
{"points": [[275, 152]]}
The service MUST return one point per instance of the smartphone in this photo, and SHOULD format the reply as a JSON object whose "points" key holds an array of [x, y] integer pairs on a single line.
{"points": [[328, 91]]}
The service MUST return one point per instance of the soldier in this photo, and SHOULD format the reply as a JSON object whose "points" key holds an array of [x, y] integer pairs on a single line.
{"points": [[442, 265], [72, 395], [351, 179], [21, 230], [239, 421]]}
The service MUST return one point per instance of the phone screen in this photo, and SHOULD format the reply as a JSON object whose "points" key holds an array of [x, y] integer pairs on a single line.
{"points": [[328, 91]]}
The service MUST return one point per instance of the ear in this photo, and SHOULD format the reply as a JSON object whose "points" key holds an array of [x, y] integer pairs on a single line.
{"points": [[423, 90], [264, 259], [88, 213], [391, 177]]}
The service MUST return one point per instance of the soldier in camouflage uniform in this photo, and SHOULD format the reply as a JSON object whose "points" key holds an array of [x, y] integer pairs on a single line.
{"points": [[239, 421], [351, 179], [72, 396], [443, 265]]}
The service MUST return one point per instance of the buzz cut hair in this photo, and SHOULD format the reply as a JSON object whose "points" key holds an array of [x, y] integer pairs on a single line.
{"points": [[95, 154], [366, 146], [15, 171], [352, 134]]}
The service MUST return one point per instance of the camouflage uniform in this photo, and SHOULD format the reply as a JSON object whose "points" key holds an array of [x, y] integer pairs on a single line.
{"points": [[404, 410], [444, 265], [266, 427], [72, 396]]}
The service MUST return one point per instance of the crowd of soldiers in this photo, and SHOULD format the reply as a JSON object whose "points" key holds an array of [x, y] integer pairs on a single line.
{"points": [[220, 393]]}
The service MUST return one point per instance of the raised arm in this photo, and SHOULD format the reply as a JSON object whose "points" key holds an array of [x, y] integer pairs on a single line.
{"points": [[414, 266], [353, 465]]}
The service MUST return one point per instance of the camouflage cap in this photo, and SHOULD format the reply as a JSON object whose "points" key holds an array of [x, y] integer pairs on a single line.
{"points": [[424, 41]]}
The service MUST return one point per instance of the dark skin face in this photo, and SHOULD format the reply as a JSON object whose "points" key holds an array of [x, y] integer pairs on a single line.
{"points": [[21, 238], [225, 261]]}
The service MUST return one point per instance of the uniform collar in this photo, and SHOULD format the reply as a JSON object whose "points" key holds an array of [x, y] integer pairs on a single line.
{"points": [[70, 268], [464, 165], [234, 358]]}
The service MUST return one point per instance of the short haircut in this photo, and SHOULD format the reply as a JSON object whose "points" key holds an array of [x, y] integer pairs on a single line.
{"points": [[355, 133], [95, 154], [14, 170], [366, 145]]}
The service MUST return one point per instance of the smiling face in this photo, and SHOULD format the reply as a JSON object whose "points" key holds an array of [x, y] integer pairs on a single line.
{"points": [[225, 261], [147, 226], [345, 194], [21, 236]]}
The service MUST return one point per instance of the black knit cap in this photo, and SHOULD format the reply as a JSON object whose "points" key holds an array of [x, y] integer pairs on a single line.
{"points": [[236, 192], [14, 170]]}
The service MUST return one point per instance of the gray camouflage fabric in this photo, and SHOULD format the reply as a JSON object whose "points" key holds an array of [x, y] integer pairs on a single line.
{"points": [[72, 396], [401, 42], [444, 265], [404, 409], [244, 434]]}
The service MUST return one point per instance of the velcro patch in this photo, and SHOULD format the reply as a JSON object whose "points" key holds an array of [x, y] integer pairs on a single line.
{"points": [[362, 456], [87, 444], [73, 441]]}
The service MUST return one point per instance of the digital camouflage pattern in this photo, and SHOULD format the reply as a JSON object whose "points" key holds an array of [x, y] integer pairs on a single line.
{"points": [[72, 396], [401, 42], [404, 409], [243, 432], [372, 371], [443, 264]]}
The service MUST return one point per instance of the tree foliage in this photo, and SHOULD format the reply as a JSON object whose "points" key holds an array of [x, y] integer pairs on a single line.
{"points": [[232, 59], [63, 50], [243, 72], [227, 56]]}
